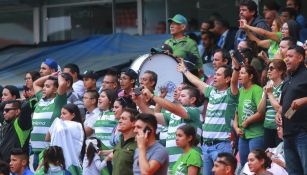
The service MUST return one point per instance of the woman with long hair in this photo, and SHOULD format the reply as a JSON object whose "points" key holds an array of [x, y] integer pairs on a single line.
{"points": [[248, 123], [269, 103], [69, 127], [259, 162], [28, 90], [190, 162]]}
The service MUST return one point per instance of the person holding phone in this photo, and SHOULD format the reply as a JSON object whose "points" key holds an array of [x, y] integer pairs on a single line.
{"points": [[150, 156]]}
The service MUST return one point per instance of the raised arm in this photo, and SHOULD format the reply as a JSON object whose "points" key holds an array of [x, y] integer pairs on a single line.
{"points": [[62, 89], [260, 31], [39, 83], [201, 86], [234, 78], [261, 43], [274, 102]]}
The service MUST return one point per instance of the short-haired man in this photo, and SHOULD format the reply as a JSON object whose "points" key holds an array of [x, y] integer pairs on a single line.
{"points": [[19, 162], [149, 80], [225, 33], [72, 96], [51, 95], [180, 43], [249, 12], [150, 156], [292, 114], [110, 81], [90, 100], [48, 67], [296, 5], [225, 164], [15, 131], [223, 97], [74, 71], [284, 45], [124, 150], [90, 79]]}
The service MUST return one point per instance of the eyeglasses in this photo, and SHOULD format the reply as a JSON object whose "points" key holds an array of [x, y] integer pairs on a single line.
{"points": [[283, 29], [8, 109], [107, 82], [271, 68], [85, 98]]}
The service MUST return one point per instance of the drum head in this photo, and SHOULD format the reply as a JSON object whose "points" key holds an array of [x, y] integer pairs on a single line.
{"points": [[164, 66]]}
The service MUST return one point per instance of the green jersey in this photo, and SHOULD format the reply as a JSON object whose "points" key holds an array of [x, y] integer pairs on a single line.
{"points": [[248, 104], [173, 122], [44, 114], [220, 111], [191, 158]]}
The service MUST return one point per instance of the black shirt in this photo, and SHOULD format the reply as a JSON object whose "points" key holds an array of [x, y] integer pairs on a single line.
{"points": [[295, 87]]}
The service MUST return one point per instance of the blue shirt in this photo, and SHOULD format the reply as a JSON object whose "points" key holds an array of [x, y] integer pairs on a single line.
{"points": [[26, 172]]}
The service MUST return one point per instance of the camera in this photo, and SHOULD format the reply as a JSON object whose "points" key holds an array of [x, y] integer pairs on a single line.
{"points": [[138, 90]]}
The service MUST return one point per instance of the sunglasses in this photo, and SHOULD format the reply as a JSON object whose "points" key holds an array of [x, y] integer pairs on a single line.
{"points": [[271, 68], [8, 109]]}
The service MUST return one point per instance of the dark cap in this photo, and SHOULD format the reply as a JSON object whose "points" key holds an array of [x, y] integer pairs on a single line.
{"points": [[51, 63], [90, 74], [164, 47], [131, 73]]}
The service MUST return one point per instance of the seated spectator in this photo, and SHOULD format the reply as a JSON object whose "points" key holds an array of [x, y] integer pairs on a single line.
{"points": [[296, 5], [9, 92], [190, 162], [258, 163], [92, 163], [90, 100], [28, 91], [225, 164], [209, 44], [19, 162], [110, 81], [4, 168], [48, 67], [89, 79], [127, 82], [150, 156]]}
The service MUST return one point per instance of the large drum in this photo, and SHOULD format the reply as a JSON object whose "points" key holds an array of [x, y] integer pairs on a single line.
{"points": [[165, 67]]}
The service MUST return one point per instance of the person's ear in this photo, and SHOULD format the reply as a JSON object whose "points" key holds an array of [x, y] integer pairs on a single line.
{"points": [[24, 163], [228, 79], [193, 100]]}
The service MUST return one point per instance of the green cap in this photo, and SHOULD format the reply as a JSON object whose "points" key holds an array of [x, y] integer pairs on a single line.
{"points": [[179, 19]]}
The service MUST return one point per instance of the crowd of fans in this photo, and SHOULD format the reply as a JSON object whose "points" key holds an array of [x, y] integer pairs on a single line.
{"points": [[245, 118]]}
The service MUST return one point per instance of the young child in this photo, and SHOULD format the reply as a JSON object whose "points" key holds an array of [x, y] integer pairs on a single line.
{"points": [[92, 163]]}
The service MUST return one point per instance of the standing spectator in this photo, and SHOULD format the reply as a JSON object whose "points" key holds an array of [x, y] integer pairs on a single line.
{"points": [[89, 80], [269, 17], [149, 80], [209, 43], [69, 127], [4, 168], [287, 14], [19, 162], [296, 5], [9, 92], [51, 95], [225, 164], [90, 100], [190, 162], [124, 150], [248, 123], [110, 81], [15, 131], [48, 67], [294, 124], [181, 44], [150, 156], [284, 45], [249, 12], [127, 82], [74, 71], [217, 127], [28, 91], [269, 103]]}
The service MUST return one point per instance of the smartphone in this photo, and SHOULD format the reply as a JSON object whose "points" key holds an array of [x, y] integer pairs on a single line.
{"points": [[239, 57], [147, 129], [25, 88], [138, 90]]}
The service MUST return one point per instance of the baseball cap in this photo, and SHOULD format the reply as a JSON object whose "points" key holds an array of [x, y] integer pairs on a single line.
{"points": [[179, 19], [51, 63], [90, 74], [164, 47]]}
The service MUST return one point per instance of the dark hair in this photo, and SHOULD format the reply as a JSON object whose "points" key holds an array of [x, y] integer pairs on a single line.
{"points": [[291, 11], [54, 80], [68, 78], [298, 3], [227, 71], [91, 150], [13, 90], [94, 94], [15, 103], [251, 6], [271, 5], [193, 36], [223, 22], [21, 153], [153, 76], [261, 155], [73, 69], [210, 22], [281, 66], [230, 159], [149, 119], [210, 35], [252, 71], [111, 94], [54, 155], [34, 75], [193, 92], [4, 168], [291, 41], [189, 130], [294, 29], [225, 54], [126, 102], [298, 49], [133, 113], [73, 109]]}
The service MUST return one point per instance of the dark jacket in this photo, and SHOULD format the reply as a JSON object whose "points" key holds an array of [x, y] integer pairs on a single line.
{"points": [[16, 133]]}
